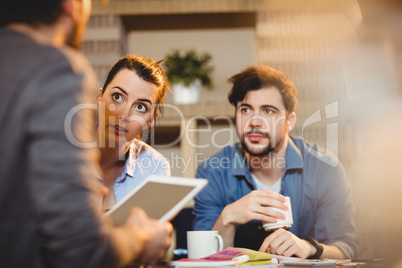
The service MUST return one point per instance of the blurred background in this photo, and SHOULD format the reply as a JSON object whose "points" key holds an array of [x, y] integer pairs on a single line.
{"points": [[344, 56]]}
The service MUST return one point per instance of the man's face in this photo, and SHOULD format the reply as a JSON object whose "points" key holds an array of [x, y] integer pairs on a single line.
{"points": [[261, 121], [82, 9]]}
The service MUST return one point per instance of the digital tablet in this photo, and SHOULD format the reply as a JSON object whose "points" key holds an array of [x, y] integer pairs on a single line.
{"points": [[161, 197]]}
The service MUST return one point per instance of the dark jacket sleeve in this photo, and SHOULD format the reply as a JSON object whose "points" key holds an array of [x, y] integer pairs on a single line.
{"points": [[61, 180]]}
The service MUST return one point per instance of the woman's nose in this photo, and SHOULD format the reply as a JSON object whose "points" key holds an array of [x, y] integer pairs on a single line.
{"points": [[122, 113], [123, 118]]}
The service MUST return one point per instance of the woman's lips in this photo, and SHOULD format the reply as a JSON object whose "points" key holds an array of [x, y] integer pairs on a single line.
{"points": [[118, 130]]}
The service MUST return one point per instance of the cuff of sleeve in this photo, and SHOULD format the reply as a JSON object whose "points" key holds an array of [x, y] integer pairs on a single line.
{"points": [[345, 249]]}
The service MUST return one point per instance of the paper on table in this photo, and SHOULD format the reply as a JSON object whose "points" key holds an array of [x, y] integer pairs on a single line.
{"points": [[210, 262], [227, 257], [232, 252]]}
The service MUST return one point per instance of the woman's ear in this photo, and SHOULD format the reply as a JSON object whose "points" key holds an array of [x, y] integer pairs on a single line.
{"points": [[99, 94], [291, 121], [153, 118]]}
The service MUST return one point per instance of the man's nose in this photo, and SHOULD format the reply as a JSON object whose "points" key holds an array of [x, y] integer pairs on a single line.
{"points": [[256, 122]]}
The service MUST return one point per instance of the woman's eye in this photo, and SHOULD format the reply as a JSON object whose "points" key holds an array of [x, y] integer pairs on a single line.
{"points": [[141, 107], [117, 97]]}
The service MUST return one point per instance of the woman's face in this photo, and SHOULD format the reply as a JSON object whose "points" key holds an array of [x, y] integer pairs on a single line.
{"points": [[127, 107]]}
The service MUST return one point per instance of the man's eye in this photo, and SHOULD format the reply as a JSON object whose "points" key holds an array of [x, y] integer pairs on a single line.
{"points": [[244, 110], [141, 107], [269, 111], [117, 97]]}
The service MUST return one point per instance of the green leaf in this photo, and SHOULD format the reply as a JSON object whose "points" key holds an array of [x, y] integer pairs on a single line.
{"points": [[187, 66]]}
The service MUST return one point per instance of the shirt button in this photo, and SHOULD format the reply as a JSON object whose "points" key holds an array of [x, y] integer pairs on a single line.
{"points": [[117, 184], [259, 227]]}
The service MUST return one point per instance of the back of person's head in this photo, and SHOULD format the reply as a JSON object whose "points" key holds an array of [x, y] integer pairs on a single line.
{"points": [[147, 69], [34, 12], [259, 77]]}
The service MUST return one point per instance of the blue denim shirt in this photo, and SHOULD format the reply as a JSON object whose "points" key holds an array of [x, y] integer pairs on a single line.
{"points": [[322, 205], [142, 162]]}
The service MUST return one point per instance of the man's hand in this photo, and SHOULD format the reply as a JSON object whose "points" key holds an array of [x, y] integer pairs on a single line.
{"points": [[156, 236], [255, 206], [284, 243], [103, 191]]}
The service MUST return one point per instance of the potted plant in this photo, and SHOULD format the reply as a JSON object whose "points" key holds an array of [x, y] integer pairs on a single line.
{"points": [[187, 71]]}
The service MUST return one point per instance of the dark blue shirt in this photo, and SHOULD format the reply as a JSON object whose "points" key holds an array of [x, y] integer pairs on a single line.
{"points": [[316, 183]]}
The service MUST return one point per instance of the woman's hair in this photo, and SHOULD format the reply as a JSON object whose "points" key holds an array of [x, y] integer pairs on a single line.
{"points": [[34, 12], [147, 69], [259, 77]]}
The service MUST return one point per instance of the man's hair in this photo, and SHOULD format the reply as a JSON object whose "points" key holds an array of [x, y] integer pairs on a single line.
{"points": [[259, 77], [34, 12]]}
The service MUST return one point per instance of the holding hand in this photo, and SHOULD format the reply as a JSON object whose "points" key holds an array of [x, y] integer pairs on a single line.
{"points": [[156, 236], [284, 243], [103, 191], [255, 206]]}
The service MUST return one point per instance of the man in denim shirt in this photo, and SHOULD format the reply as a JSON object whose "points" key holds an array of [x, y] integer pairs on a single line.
{"points": [[248, 178]]}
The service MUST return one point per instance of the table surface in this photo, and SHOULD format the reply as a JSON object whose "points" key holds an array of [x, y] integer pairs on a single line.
{"points": [[367, 263]]}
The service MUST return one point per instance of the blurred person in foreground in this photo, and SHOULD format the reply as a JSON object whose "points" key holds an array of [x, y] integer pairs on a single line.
{"points": [[48, 190], [248, 178]]}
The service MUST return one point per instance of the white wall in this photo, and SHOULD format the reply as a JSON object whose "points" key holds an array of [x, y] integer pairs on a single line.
{"points": [[231, 49]]}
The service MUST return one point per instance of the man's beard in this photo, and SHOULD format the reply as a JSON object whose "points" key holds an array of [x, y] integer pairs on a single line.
{"points": [[272, 145]]}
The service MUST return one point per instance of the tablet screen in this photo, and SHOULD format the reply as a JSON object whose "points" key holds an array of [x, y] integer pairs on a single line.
{"points": [[161, 198]]}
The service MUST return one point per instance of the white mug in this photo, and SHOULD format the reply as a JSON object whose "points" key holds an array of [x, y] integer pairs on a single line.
{"points": [[286, 223], [203, 243]]}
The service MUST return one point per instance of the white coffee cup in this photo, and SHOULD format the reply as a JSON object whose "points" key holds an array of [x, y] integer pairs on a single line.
{"points": [[286, 223], [203, 243]]}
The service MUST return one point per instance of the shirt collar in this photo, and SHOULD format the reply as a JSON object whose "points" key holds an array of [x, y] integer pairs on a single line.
{"points": [[130, 164], [240, 165], [294, 158], [239, 162], [129, 167]]}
